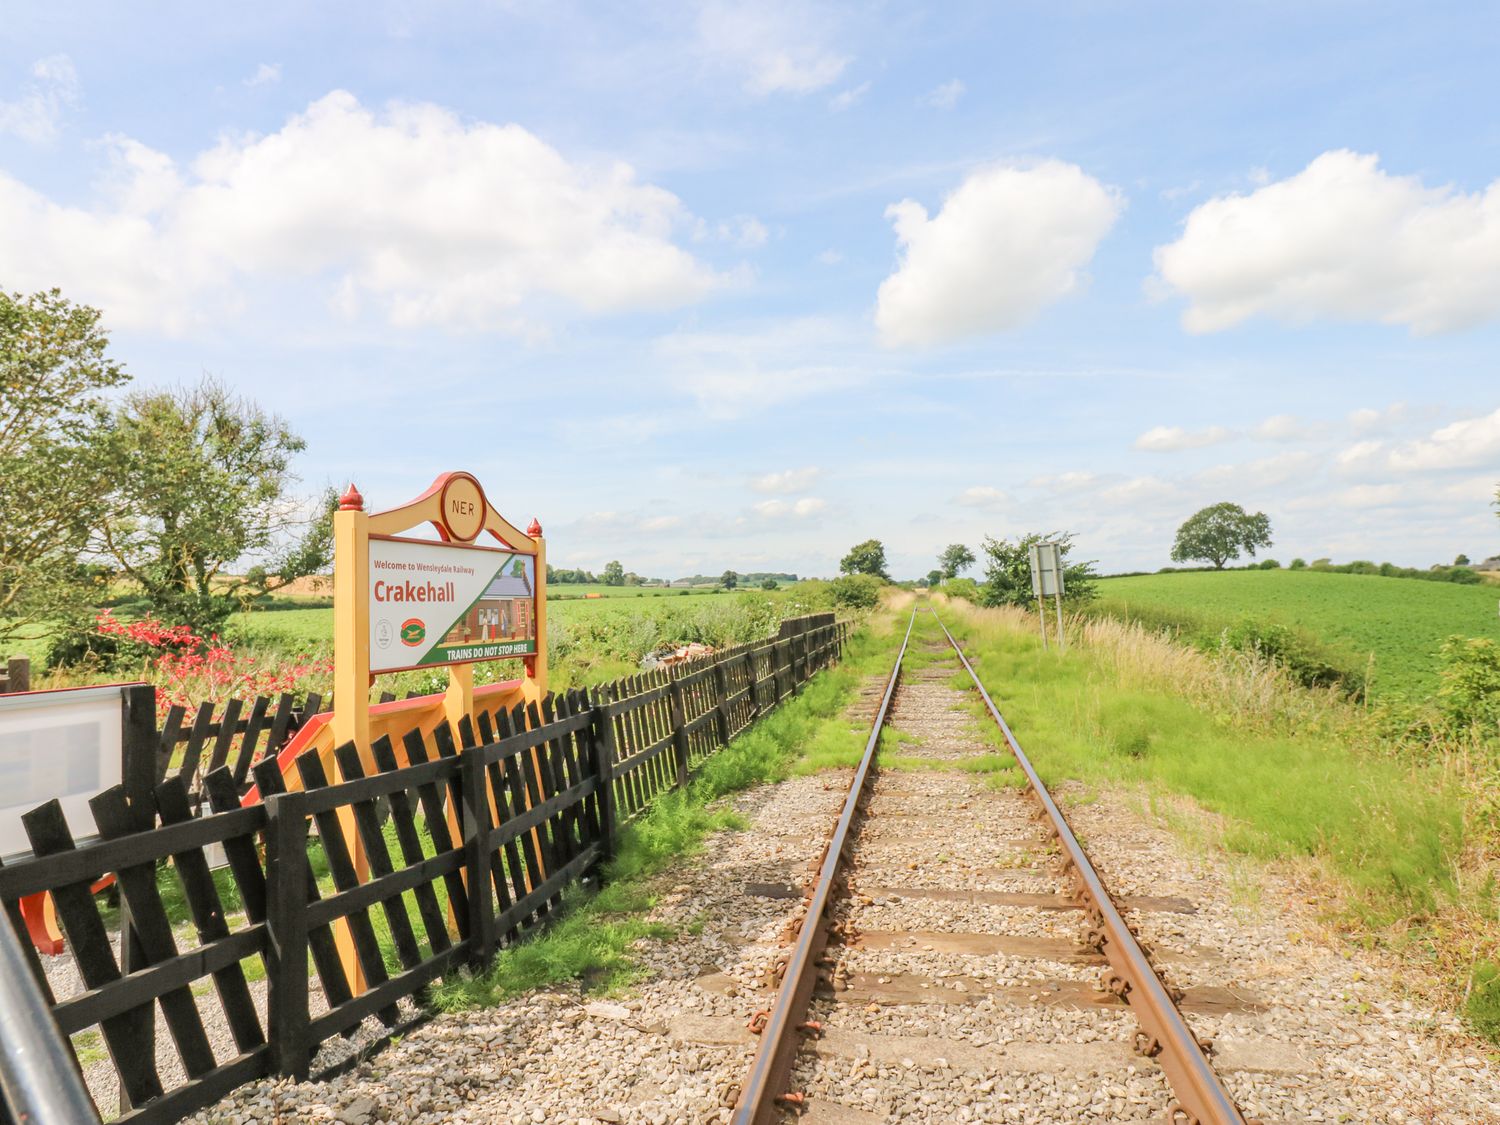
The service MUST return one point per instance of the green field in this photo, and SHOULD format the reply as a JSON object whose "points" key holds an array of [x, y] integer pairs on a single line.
{"points": [[313, 627], [566, 591], [1402, 621], [591, 640]]}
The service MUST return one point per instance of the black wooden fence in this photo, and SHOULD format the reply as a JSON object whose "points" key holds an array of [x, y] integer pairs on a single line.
{"points": [[537, 795]]}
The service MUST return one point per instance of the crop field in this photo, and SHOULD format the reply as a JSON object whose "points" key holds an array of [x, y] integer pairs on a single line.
{"points": [[1402, 621], [289, 625], [560, 591], [591, 640]]}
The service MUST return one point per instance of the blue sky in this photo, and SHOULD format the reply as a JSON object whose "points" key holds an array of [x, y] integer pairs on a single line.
{"points": [[705, 286]]}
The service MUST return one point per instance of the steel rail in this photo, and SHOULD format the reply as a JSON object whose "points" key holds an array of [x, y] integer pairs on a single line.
{"points": [[772, 1067], [1201, 1096]]}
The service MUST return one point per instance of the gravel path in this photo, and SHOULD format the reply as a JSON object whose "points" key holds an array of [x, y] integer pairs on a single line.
{"points": [[962, 995]]}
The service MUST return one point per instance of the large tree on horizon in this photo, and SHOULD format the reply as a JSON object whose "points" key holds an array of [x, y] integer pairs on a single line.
{"points": [[955, 559], [1219, 533], [865, 558]]}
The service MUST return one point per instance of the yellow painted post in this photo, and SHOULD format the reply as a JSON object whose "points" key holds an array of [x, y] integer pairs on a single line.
{"points": [[351, 682], [351, 624], [458, 700], [534, 686], [537, 682]]}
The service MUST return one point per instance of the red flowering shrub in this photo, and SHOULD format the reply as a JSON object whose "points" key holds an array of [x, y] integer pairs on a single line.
{"points": [[188, 669]]}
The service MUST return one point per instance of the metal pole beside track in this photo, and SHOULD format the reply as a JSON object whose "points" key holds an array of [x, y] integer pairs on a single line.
{"points": [[39, 1082]]}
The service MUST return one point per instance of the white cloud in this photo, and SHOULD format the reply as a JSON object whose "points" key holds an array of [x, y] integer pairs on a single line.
{"points": [[1066, 482], [847, 98], [733, 373], [1172, 439], [799, 509], [266, 74], [36, 114], [745, 232], [984, 497], [788, 480], [1137, 490], [1340, 240], [1008, 242], [1282, 427], [1466, 444], [661, 523], [1180, 191], [1264, 472], [1362, 456], [945, 96], [829, 257], [779, 47], [431, 219], [1370, 421]]}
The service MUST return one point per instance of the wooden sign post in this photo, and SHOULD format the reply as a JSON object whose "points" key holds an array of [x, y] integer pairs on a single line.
{"points": [[402, 603]]}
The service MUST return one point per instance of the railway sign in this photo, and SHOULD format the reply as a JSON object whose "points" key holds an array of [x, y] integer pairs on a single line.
{"points": [[441, 603], [1047, 582], [473, 588], [1046, 569]]}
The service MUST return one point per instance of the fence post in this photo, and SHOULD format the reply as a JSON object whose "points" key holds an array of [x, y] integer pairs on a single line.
{"points": [[721, 712], [286, 923], [17, 674], [679, 731], [754, 687], [476, 828], [602, 745]]}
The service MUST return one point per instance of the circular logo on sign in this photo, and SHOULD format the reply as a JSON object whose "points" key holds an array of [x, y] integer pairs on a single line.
{"points": [[413, 631], [384, 634], [464, 507]]}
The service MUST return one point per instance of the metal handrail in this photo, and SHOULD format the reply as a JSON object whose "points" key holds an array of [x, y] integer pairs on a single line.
{"points": [[39, 1080]]}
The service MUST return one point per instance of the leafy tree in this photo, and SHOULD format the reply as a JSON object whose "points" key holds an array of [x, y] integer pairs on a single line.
{"points": [[614, 573], [865, 558], [730, 580], [1470, 682], [201, 480], [1461, 560], [53, 372], [934, 577], [768, 584], [1219, 533], [1007, 573], [955, 559], [857, 591]]}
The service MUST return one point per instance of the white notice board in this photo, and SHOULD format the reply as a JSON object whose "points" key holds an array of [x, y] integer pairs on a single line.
{"points": [[63, 744], [1046, 569]]}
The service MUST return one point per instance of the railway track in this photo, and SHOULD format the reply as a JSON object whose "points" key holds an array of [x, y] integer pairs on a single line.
{"points": [[874, 985]]}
